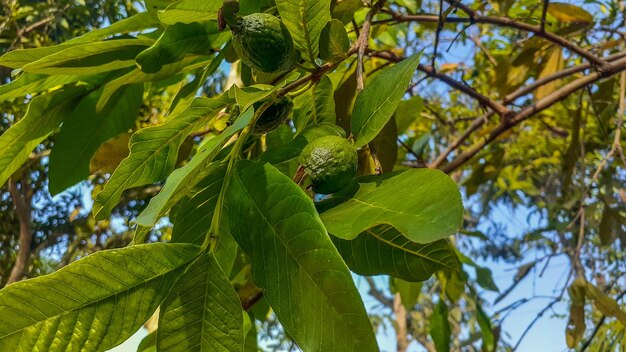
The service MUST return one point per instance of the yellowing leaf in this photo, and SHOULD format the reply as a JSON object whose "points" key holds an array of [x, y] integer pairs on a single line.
{"points": [[552, 62], [576, 325], [110, 154], [569, 13]]}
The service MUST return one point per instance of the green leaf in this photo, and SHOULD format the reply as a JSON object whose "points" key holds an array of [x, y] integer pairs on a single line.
{"points": [[20, 57], [93, 304], [29, 83], [90, 58], [315, 106], [334, 42], [177, 41], [251, 344], [383, 250], [294, 262], [305, 20], [489, 340], [569, 13], [484, 278], [248, 96], [202, 312], [439, 327], [409, 292], [181, 182], [138, 76], [43, 116], [85, 130], [375, 105], [193, 217], [426, 206], [192, 220], [344, 10], [408, 112], [189, 11], [154, 151], [148, 344], [134, 23]]}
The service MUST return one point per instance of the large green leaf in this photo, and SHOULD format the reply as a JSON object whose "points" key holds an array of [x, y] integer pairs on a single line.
{"points": [[202, 313], [93, 304], [423, 204], [192, 220], [294, 262], [29, 83], [135, 23], [305, 20], [193, 217], [88, 58], [189, 11], [154, 151], [20, 57], [182, 181], [383, 250], [375, 105], [177, 41], [85, 129], [138, 76], [43, 116]]}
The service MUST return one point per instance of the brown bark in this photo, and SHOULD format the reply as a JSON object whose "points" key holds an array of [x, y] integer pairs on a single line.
{"points": [[402, 341], [22, 201]]}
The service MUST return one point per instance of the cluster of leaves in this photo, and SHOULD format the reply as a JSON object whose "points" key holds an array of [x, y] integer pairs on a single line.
{"points": [[242, 229]]}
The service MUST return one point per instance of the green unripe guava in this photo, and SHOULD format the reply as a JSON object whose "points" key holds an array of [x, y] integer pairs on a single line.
{"points": [[331, 162]]}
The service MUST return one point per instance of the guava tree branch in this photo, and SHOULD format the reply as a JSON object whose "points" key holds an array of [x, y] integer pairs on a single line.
{"points": [[540, 105], [22, 201], [479, 121], [503, 22]]}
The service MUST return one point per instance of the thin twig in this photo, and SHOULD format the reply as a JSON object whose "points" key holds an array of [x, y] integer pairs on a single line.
{"points": [[541, 313], [437, 34], [544, 12], [362, 44], [504, 22]]}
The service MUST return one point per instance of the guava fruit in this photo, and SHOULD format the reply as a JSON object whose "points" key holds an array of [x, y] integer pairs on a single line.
{"points": [[331, 162], [261, 40], [273, 116]]}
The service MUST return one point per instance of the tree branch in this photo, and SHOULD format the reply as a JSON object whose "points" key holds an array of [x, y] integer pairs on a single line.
{"points": [[544, 12], [402, 341], [542, 104], [479, 121], [22, 201]]}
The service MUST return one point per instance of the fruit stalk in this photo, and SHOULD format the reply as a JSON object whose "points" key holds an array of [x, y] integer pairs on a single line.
{"points": [[228, 15]]}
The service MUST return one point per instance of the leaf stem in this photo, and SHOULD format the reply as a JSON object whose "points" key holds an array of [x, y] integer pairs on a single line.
{"points": [[211, 240]]}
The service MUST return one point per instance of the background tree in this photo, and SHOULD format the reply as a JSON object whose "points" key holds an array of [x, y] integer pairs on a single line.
{"points": [[521, 103]]}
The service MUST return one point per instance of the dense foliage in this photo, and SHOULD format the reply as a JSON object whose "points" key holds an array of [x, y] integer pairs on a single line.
{"points": [[203, 151]]}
